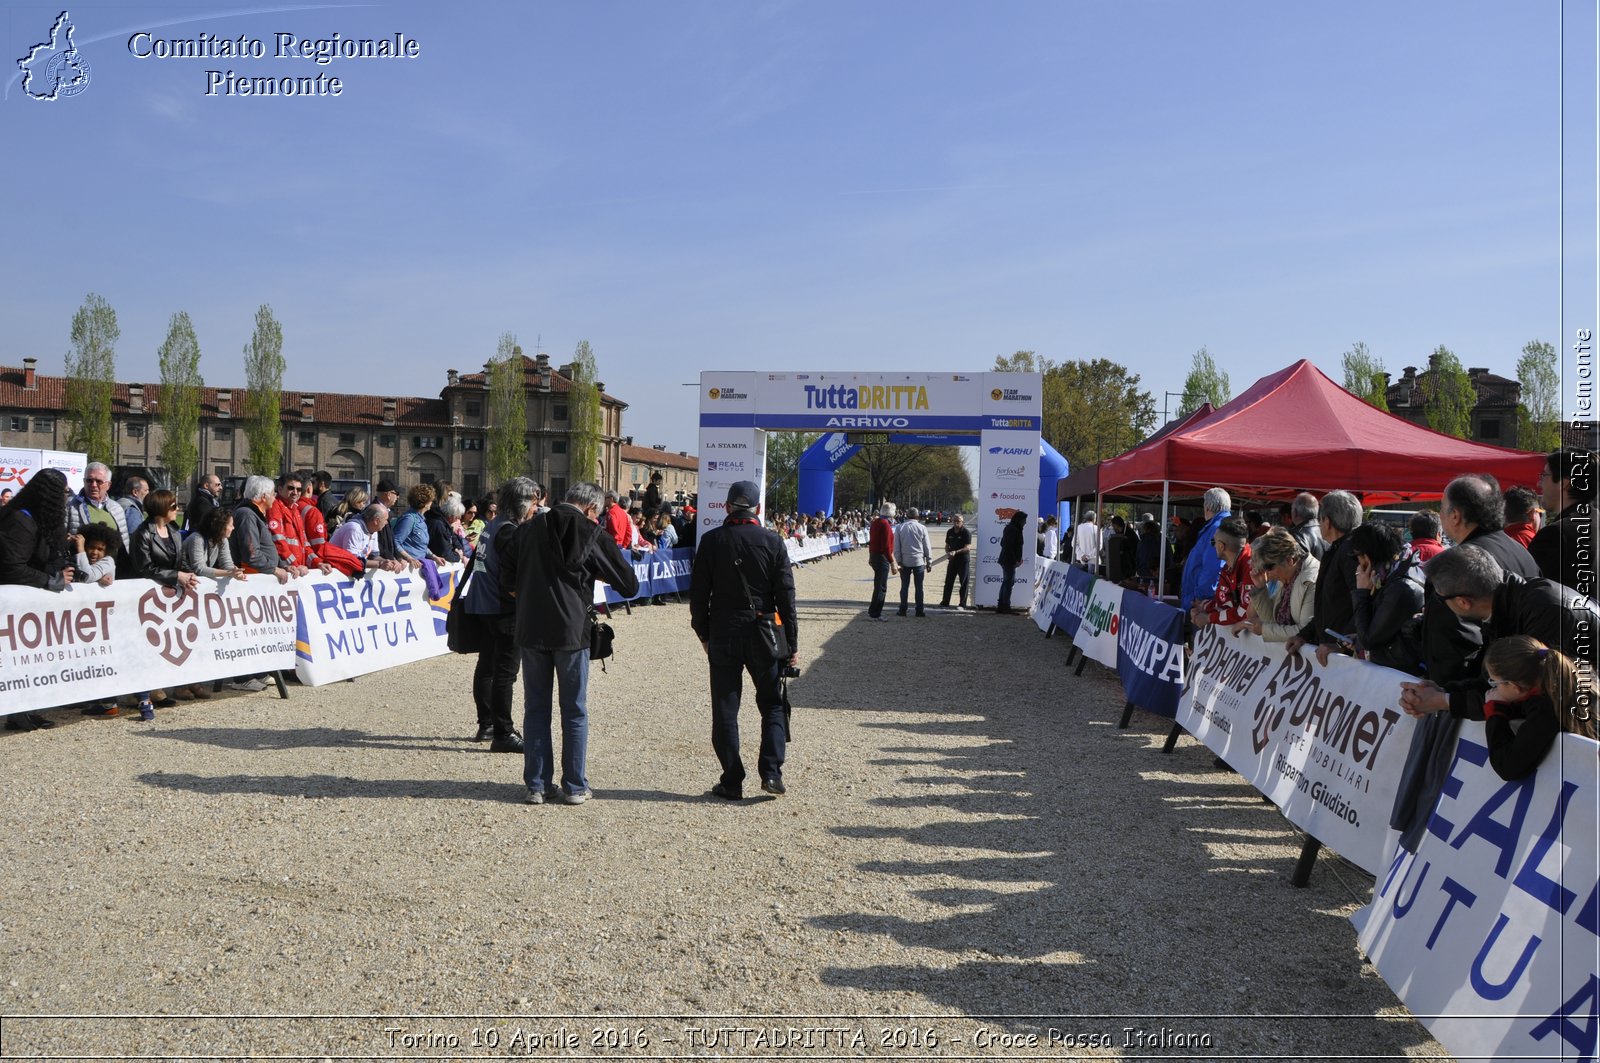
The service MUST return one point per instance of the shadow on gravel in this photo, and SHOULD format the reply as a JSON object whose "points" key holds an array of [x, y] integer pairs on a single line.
{"points": [[335, 786], [1063, 867], [264, 740]]}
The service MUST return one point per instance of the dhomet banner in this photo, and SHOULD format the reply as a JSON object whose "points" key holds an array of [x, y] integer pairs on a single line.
{"points": [[89, 642], [1490, 931], [350, 627], [1325, 744]]}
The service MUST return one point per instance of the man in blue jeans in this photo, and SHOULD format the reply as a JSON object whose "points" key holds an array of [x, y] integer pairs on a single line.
{"points": [[550, 571]]}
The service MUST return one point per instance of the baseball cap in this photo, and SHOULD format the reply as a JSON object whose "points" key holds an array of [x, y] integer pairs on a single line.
{"points": [[744, 495]]}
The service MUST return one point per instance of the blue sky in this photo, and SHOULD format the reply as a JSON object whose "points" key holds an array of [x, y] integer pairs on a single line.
{"points": [[813, 184]]}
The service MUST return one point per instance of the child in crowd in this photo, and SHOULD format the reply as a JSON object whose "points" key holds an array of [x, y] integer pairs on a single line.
{"points": [[96, 546], [1538, 686]]}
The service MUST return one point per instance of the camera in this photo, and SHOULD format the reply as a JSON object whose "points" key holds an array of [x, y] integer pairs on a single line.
{"points": [[790, 672]]}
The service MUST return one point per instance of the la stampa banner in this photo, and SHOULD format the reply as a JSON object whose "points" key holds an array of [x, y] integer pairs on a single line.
{"points": [[90, 643], [1490, 931], [1325, 744]]}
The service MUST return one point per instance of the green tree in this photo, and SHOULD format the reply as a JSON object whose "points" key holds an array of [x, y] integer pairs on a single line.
{"points": [[875, 475], [1091, 410], [179, 413], [1539, 414], [263, 399], [92, 378], [587, 437], [1095, 410], [1364, 375], [1205, 383], [507, 447], [784, 450], [1447, 394], [940, 481]]}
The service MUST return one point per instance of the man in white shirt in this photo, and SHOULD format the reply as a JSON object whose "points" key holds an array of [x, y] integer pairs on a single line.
{"points": [[1086, 542], [360, 537], [911, 553]]}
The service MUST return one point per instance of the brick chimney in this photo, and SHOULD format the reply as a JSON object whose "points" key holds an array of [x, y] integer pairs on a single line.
{"points": [[389, 406], [541, 360], [29, 367], [451, 376], [308, 407], [135, 398], [224, 404]]}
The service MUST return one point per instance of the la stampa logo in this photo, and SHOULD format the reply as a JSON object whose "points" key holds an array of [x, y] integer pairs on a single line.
{"points": [[55, 69]]}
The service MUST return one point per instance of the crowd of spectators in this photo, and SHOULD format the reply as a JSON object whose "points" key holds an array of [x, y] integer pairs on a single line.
{"points": [[1488, 604]]}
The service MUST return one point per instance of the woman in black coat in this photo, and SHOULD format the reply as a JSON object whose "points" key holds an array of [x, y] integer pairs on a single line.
{"points": [[1388, 594], [1010, 558], [33, 551]]}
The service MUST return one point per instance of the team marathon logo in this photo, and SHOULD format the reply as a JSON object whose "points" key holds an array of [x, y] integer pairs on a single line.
{"points": [[727, 393], [54, 69]]}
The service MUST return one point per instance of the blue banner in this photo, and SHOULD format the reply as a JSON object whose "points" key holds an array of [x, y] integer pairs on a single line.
{"points": [[663, 572], [1150, 653], [1074, 601]]}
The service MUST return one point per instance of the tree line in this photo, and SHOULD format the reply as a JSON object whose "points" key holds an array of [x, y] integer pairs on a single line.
{"points": [[92, 376], [91, 369]]}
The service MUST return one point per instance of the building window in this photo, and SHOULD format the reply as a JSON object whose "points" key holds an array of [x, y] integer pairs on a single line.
{"points": [[306, 439], [474, 408], [560, 411], [44, 424], [471, 444], [470, 485], [136, 431], [383, 440], [558, 487], [558, 446], [19, 424], [222, 470], [427, 443], [222, 431], [347, 439], [1489, 428]]}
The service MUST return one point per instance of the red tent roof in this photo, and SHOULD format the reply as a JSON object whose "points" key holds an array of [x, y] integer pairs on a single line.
{"points": [[1296, 430]]}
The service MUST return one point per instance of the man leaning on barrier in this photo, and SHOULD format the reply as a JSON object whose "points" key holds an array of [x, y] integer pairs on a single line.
{"points": [[741, 575]]}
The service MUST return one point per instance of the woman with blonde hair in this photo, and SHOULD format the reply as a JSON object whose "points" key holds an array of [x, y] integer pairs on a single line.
{"points": [[1540, 687], [350, 506], [1288, 584]]}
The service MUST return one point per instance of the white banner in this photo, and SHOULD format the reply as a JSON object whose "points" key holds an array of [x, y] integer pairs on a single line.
{"points": [[1008, 475], [18, 466], [1490, 931], [1097, 635], [1326, 745], [727, 455], [71, 465], [89, 642], [351, 627]]}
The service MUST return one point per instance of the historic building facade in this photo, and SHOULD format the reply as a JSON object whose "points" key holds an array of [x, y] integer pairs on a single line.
{"points": [[1494, 415], [680, 470], [407, 439]]}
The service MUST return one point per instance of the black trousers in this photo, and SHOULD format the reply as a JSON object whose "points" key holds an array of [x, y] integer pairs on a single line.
{"points": [[494, 681], [730, 659], [955, 567], [1007, 581]]}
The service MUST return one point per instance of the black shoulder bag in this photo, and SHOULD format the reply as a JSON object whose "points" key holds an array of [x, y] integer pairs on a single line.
{"points": [[767, 636], [461, 631]]}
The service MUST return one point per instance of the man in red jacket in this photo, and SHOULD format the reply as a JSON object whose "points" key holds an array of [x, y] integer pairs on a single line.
{"points": [[617, 523], [880, 555], [288, 533]]}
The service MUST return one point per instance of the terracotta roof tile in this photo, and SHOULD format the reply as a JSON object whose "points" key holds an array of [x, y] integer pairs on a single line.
{"points": [[670, 459]]}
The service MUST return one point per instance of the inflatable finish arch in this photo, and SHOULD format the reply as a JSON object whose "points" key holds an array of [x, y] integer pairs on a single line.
{"points": [[1001, 410], [824, 457]]}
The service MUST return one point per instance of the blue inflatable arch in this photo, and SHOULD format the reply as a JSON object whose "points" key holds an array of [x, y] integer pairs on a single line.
{"points": [[823, 458]]}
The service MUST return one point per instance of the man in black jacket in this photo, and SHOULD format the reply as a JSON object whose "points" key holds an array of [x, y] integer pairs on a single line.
{"points": [[551, 571], [1565, 547], [1338, 516], [207, 491], [742, 576]]}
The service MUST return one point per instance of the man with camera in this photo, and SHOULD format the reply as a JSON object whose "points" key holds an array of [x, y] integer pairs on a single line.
{"points": [[741, 604]]}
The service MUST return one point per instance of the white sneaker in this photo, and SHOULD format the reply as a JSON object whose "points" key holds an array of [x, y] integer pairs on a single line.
{"points": [[247, 686]]}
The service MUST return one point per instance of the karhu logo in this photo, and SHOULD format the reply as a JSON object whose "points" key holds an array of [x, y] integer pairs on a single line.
{"points": [[171, 622]]}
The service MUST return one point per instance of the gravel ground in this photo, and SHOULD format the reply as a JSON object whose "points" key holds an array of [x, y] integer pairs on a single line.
{"points": [[972, 860]]}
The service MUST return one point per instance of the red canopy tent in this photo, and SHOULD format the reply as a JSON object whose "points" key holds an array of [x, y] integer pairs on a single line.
{"points": [[1296, 430]]}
